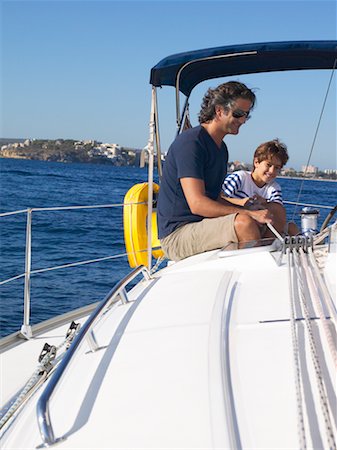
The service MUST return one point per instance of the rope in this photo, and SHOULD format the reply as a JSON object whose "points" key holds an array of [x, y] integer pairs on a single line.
{"points": [[318, 308], [314, 356], [276, 233], [328, 300], [297, 370], [158, 262]]}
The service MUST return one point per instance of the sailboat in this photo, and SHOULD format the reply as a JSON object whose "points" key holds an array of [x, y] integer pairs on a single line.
{"points": [[227, 349]]}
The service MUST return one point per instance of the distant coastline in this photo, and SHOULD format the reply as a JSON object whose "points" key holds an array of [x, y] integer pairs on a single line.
{"points": [[305, 178], [71, 151], [95, 152]]}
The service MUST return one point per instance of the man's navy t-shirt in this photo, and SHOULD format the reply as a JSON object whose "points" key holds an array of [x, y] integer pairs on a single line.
{"points": [[193, 154]]}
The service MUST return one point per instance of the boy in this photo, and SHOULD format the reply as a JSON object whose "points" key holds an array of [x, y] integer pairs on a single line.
{"points": [[258, 189]]}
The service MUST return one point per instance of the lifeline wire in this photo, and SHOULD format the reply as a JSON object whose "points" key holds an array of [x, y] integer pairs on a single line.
{"points": [[315, 136]]}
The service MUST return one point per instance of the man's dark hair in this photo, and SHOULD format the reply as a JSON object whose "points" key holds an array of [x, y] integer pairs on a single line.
{"points": [[224, 95]]}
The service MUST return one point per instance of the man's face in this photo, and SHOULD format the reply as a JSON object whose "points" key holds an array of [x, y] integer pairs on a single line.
{"points": [[236, 116]]}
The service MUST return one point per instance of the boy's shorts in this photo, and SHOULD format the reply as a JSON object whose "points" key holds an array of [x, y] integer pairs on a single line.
{"points": [[199, 237]]}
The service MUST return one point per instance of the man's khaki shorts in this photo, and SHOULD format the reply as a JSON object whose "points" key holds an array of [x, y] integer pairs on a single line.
{"points": [[199, 237]]}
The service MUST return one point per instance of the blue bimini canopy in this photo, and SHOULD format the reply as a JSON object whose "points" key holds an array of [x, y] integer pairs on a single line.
{"points": [[186, 70]]}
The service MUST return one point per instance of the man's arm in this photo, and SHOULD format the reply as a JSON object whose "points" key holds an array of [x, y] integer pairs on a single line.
{"points": [[200, 204]]}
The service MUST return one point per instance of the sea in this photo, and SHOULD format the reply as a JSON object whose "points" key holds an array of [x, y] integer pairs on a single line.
{"points": [[61, 237]]}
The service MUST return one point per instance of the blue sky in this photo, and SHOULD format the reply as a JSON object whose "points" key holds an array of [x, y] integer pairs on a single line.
{"points": [[80, 70]]}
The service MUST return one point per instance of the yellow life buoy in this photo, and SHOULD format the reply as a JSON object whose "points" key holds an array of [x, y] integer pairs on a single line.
{"points": [[135, 225]]}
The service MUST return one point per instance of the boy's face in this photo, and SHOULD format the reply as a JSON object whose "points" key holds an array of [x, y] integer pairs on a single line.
{"points": [[267, 170]]}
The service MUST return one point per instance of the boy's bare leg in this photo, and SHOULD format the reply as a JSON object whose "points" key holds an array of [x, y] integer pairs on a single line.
{"points": [[292, 229]]}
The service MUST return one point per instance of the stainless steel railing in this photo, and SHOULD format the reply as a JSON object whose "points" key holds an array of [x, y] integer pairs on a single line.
{"points": [[26, 329], [43, 415]]}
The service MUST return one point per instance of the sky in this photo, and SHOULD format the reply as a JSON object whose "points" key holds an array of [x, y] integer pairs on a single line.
{"points": [[80, 70]]}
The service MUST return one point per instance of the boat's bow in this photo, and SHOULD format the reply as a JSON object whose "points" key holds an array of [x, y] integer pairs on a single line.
{"points": [[200, 356]]}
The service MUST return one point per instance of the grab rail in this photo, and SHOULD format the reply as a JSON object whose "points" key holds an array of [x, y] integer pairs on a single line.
{"points": [[43, 415]]}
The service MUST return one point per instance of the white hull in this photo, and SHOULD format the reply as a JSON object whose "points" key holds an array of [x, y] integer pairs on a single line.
{"points": [[201, 357]]}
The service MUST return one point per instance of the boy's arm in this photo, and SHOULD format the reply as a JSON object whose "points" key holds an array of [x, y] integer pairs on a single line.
{"points": [[235, 201], [253, 203]]}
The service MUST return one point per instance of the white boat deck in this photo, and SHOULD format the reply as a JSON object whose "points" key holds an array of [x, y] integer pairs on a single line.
{"points": [[201, 358]]}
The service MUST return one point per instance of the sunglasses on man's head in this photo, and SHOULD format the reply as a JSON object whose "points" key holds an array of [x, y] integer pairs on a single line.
{"points": [[238, 113]]}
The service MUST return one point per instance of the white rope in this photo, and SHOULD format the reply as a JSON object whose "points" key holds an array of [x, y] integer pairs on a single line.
{"points": [[318, 307], [276, 233], [158, 262], [328, 300], [294, 337], [314, 355]]}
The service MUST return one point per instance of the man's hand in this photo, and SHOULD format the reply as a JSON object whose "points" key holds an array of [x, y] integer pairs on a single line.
{"points": [[262, 216]]}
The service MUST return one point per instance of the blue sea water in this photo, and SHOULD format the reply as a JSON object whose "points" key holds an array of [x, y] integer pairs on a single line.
{"points": [[67, 236]]}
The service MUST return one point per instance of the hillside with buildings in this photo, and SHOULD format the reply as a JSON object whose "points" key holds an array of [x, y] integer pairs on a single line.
{"points": [[70, 151]]}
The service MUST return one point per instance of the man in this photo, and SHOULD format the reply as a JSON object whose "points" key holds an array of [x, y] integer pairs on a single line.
{"points": [[192, 216]]}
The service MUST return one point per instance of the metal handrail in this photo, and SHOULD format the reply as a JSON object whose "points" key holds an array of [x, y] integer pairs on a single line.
{"points": [[43, 415], [26, 329]]}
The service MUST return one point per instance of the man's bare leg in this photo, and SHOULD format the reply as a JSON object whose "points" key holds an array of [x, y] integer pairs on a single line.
{"points": [[247, 231]]}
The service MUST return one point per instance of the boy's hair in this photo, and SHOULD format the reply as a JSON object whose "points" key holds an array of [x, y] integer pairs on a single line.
{"points": [[267, 150], [224, 95]]}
